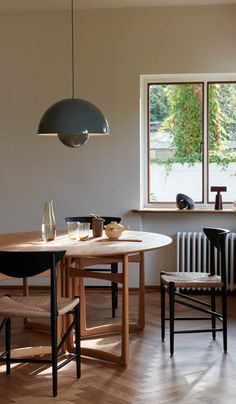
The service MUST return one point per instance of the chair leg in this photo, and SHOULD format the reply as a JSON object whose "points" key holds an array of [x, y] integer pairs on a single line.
{"points": [[213, 308], [8, 344], [113, 298], [163, 297], [54, 353], [171, 308], [114, 290], [77, 340], [224, 315]]}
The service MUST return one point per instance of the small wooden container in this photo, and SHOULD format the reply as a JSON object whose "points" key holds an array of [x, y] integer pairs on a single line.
{"points": [[97, 226]]}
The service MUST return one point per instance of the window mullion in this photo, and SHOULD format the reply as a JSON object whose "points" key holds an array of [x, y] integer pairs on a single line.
{"points": [[205, 143]]}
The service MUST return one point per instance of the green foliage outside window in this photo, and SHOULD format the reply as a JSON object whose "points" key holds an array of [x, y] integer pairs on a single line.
{"points": [[185, 119], [178, 109]]}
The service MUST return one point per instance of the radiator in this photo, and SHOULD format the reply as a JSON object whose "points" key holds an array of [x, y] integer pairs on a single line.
{"points": [[193, 255]]}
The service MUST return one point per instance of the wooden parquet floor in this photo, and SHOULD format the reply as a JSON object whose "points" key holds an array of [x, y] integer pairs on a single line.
{"points": [[199, 372]]}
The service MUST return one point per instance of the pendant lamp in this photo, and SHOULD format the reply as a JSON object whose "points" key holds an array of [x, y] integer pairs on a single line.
{"points": [[73, 120]]}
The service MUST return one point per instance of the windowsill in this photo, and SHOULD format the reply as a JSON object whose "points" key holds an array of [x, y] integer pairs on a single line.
{"points": [[184, 211]]}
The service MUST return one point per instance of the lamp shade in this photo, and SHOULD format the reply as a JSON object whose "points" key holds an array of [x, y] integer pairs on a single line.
{"points": [[73, 120]]}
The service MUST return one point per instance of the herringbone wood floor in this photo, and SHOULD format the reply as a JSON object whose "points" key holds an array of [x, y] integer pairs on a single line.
{"points": [[198, 372]]}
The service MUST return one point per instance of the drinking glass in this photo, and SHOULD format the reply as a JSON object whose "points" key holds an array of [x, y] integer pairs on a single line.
{"points": [[84, 231], [73, 230]]}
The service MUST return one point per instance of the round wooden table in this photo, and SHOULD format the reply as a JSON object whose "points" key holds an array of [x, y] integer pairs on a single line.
{"points": [[80, 254]]}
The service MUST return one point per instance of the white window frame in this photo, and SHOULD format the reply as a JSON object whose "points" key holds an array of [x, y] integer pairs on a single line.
{"points": [[145, 79]]}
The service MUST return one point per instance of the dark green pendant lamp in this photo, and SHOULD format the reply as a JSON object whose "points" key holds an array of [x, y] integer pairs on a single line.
{"points": [[73, 120]]}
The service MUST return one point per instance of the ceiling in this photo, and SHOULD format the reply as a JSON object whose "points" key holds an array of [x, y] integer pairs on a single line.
{"points": [[37, 5]]}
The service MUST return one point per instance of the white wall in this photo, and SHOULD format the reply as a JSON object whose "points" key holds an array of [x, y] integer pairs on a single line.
{"points": [[114, 48]]}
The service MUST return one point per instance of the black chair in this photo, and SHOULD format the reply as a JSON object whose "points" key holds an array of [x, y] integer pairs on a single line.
{"points": [[27, 264], [176, 283], [113, 267]]}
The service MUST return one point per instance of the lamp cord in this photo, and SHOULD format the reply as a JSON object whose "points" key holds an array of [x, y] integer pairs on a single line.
{"points": [[72, 48]]}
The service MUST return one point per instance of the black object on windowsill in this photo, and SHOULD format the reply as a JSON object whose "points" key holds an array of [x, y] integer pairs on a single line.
{"points": [[218, 201], [184, 201]]}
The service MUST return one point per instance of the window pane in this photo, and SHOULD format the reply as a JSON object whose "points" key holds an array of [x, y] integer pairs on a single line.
{"points": [[175, 138], [222, 138]]}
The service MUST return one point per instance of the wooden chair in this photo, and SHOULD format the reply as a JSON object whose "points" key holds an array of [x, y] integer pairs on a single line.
{"points": [[174, 283], [112, 267], [27, 264]]}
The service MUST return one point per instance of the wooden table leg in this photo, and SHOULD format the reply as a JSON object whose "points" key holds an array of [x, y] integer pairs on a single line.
{"points": [[60, 293], [83, 322], [141, 302], [123, 359], [125, 313], [68, 291], [122, 328]]}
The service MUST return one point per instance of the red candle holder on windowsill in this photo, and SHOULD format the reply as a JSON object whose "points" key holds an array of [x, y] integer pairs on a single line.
{"points": [[218, 201]]}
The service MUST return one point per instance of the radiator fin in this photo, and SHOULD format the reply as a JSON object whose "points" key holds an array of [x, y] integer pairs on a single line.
{"points": [[193, 255]]}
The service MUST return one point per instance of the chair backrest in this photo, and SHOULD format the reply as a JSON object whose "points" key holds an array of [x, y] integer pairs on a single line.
{"points": [[89, 219], [217, 238], [21, 264]]}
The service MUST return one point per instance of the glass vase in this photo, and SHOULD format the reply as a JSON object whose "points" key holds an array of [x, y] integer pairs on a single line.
{"points": [[48, 223]]}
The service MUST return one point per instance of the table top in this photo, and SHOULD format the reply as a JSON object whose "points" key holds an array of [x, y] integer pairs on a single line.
{"points": [[129, 242]]}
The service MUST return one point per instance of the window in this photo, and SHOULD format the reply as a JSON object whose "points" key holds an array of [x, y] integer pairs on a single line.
{"points": [[188, 137]]}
